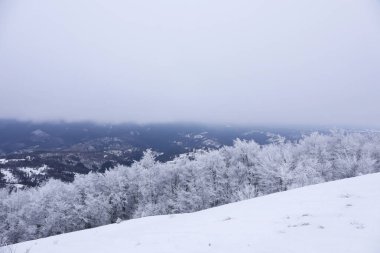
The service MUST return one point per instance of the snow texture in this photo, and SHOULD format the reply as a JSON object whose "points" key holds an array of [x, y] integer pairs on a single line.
{"points": [[34, 171], [339, 216]]}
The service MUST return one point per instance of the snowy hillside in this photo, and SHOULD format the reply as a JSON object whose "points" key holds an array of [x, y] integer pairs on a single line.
{"points": [[340, 216]]}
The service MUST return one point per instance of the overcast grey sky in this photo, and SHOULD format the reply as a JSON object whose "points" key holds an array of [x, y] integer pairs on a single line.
{"points": [[241, 61]]}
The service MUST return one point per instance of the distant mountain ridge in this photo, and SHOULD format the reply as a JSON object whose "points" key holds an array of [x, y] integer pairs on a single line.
{"points": [[61, 150], [18, 136]]}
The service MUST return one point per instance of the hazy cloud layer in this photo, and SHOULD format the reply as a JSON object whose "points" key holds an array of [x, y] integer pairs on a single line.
{"points": [[244, 61]]}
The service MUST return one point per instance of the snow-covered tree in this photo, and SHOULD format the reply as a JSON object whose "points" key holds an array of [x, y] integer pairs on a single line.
{"points": [[190, 182]]}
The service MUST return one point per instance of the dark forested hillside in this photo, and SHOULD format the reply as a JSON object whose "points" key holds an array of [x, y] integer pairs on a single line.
{"points": [[31, 152]]}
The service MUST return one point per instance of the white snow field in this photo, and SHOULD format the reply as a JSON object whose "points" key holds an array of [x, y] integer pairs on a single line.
{"points": [[336, 217]]}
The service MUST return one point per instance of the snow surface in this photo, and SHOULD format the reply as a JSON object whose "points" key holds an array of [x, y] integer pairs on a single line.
{"points": [[35, 171], [335, 217], [8, 176]]}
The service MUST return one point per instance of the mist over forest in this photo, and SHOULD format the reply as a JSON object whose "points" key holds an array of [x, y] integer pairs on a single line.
{"points": [[189, 126]]}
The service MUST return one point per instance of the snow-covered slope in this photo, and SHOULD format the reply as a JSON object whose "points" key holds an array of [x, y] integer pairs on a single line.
{"points": [[337, 217]]}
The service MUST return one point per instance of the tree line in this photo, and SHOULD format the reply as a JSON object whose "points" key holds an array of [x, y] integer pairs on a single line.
{"points": [[191, 182]]}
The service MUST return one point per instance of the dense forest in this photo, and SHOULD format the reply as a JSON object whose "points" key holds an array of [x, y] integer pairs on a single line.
{"points": [[190, 182]]}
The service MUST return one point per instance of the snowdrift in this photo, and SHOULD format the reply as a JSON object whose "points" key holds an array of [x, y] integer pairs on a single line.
{"points": [[340, 216]]}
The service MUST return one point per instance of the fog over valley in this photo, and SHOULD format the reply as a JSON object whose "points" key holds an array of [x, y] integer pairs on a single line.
{"points": [[189, 126], [255, 62]]}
